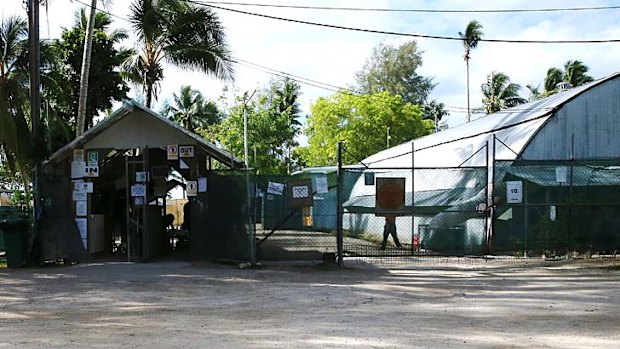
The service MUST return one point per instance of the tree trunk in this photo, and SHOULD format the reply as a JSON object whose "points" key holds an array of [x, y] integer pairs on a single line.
{"points": [[149, 94], [468, 111], [88, 45]]}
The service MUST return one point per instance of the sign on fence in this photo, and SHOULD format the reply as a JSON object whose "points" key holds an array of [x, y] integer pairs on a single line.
{"points": [[514, 192], [389, 195]]}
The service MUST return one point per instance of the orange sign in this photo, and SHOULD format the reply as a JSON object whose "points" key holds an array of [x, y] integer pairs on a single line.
{"points": [[390, 195]]}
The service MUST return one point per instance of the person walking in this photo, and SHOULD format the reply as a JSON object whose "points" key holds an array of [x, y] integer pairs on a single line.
{"points": [[390, 229]]}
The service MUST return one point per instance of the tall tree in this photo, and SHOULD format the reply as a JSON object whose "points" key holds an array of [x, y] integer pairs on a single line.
{"points": [[554, 77], [434, 111], [574, 72], [273, 126], [191, 110], [395, 70], [181, 33], [88, 44], [361, 122], [499, 93], [106, 81], [471, 37], [15, 136]]}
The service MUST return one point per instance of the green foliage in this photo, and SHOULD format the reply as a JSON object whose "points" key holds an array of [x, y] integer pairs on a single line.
{"points": [[471, 37], [499, 93], [394, 69], [15, 139], [106, 84], [361, 121], [272, 128], [574, 72], [434, 111], [181, 33], [191, 110]]}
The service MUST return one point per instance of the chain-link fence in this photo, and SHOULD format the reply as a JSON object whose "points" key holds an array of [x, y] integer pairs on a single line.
{"points": [[296, 216], [440, 213], [557, 207]]}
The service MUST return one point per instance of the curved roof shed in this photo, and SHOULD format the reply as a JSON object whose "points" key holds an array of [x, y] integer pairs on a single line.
{"points": [[545, 129]]}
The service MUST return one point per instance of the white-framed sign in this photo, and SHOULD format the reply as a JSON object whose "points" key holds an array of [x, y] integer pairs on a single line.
{"points": [[81, 208], [186, 151], [173, 152], [514, 192], [191, 188]]}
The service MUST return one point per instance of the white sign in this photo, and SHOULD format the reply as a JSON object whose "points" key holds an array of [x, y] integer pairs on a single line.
{"points": [[93, 158], [138, 190], [91, 171], [202, 185], [560, 174], [514, 192], [82, 225], [275, 188], [78, 155], [142, 177], [77, 169], [192, 188], [81, 208], [321, 185], [183, 165], [552, 213], [300, 192], [80, 195], [173, 152], [186, 151], [86, 187]]}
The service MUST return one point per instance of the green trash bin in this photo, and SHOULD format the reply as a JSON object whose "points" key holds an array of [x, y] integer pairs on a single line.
{"points": [[15, 241]]}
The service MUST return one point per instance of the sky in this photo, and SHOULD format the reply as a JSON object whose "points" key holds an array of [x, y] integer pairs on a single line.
{"points": [[333, 56]]}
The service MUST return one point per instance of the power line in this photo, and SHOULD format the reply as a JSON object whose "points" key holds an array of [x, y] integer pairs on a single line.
{"points": [[275, 71], [101, 10], [385, 32], [371, 9]]}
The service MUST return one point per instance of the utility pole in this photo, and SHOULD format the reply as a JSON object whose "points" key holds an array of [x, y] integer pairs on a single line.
{"points": [[35, 96], [387, 137]]}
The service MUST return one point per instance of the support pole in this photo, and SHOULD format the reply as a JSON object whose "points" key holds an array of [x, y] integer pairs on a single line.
{"points": [[339, 234], [35, 104], [413, 200]]}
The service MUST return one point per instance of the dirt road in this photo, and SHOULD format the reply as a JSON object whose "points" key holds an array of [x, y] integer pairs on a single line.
{"points": [[183, 305]]}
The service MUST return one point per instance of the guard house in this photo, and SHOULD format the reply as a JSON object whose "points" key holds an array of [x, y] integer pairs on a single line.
{"points": [[105, 193]]}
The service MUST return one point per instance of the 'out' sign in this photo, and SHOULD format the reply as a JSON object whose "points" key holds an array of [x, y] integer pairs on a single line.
{"points": [[514, 192], [186, 151]]}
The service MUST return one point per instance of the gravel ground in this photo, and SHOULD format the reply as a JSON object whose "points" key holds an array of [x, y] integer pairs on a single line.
{"points": [[168, 304]]}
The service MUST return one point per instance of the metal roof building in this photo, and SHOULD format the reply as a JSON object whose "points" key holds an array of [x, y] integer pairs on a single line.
{"points": [[568, 140]]}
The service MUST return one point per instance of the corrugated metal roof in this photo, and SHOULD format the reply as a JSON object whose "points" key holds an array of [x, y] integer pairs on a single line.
{"points": [[457, 146], [128, 107]]}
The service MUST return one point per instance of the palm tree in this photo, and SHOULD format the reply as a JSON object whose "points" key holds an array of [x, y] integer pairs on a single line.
{"points": [[471, 37], [554, 77], [575, 73], [499, 93], [179, 33], [15, 137], [88, 45], [190, 110]]}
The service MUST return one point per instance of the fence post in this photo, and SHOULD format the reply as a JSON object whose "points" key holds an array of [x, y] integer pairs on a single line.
{"points": [[493, 204], [413, 200], [339, 233]]}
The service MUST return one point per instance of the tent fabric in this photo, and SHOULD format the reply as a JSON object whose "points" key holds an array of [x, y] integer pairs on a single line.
{"points": [[457, 146], [581, 175], [425, 201]]}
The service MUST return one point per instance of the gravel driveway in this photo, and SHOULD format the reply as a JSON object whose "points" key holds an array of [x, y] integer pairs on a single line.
{"points": [[182, 305]]}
